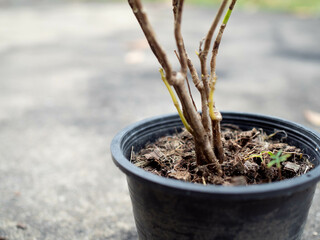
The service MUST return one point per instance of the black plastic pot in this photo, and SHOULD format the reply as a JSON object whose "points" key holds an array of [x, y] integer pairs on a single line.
{"points": [[168, 209]]}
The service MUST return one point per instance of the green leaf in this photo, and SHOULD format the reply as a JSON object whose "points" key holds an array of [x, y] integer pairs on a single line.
{"points": [[271, 154], [255, 155], [278, 154], [270, 164], [285, 157], [277, 159]]}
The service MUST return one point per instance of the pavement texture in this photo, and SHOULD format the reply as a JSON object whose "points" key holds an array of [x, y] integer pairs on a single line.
{"points": [[72, 75]]}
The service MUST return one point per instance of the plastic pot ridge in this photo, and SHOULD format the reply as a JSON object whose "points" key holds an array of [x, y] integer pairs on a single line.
{"points": [[170, 209]]}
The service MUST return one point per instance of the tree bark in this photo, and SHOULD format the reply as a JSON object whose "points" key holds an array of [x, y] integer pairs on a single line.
{"points": [[204, 128]]}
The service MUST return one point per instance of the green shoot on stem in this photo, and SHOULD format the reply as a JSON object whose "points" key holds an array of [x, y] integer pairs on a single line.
{"points": [[213, 78], [175, 101], [227, 16]]}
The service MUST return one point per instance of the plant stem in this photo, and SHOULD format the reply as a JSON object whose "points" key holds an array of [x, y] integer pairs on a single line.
{"points": [[189, 89], [203, 53], [206, 133], [213, 77], [214, 113], [175, 102], [207, 42]]}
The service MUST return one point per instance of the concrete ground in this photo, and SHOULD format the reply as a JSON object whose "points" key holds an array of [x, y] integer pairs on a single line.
{"points": [[72, 75]]}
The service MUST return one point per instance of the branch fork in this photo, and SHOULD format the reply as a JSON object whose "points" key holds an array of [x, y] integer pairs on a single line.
{"points": [[205, 128]]}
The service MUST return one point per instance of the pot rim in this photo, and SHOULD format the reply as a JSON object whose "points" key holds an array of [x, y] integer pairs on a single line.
{"points": [[284, 187]]}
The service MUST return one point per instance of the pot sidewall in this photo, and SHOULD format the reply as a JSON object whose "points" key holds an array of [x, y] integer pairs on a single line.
{"points": [[171, 209]]}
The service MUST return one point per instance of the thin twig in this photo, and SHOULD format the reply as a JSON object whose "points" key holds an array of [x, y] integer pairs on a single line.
{"points": [[177, 10], [146, 27], [213, 77], [203, 53], [206, 120], [197, 83], [188, 84], [175, 102], [214, 113]]}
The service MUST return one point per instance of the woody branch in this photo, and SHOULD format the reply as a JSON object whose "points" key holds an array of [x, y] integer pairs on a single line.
{"points": [[214, 113], [177, 80]]}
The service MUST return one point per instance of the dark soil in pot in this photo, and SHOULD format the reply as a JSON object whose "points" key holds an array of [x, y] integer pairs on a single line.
{"points": [[250, 158], [171, 209]]}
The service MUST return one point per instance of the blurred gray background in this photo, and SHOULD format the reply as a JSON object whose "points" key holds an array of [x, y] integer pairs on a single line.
{"points": [[73, 73]]}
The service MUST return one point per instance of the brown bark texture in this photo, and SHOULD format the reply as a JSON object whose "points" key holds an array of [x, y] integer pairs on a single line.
{"points": [[205, 130]]}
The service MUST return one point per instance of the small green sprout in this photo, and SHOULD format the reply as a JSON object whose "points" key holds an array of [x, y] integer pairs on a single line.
{"points": [[277, 159], [258, 156]]}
